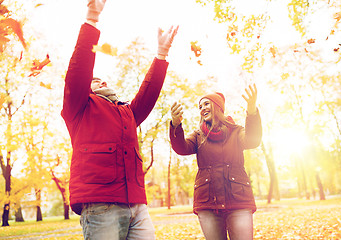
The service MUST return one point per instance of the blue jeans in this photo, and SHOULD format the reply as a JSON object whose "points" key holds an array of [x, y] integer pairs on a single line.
{"points": [[237, 223], [104, 221]]}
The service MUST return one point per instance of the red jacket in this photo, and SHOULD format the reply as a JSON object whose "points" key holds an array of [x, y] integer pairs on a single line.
{"points": [[221, 181], [106, 165]]}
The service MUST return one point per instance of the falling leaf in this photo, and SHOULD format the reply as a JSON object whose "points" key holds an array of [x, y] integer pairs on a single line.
{"points": [[273, 51], [310, 41], [2, 99], [196, 48], [48, 86], [234, 48], [106, 49], [337, 16], [39, 65], [227, 36], [336, 49]]}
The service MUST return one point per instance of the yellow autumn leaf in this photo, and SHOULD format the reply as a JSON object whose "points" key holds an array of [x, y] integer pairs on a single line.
{"points": [[2, 99], [105, 48], [48, 86], [273, 51], [196, 48]]}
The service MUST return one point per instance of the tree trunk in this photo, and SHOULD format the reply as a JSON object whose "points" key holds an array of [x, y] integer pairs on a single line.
{"points": [[273, 188], [304, 181], [277, 194], [39, 214], [7, 173], [299, 179], [5, 215], [151, 157], [169, 180], [18, 215], [320, 186], [66, 211], [62, 188], [258, 185]]}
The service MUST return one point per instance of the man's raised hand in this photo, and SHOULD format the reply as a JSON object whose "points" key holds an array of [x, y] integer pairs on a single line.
{"points": [[95, 8], [165, 40]]}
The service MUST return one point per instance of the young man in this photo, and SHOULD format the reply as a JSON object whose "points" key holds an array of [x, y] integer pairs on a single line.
{"points": [[106, 175]]}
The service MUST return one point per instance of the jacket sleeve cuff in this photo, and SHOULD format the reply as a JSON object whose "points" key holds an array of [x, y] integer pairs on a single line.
{"points": [[175, 130], [253, 114]]}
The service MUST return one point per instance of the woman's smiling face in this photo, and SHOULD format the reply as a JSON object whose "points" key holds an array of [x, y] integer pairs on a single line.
{"points": [[205, 107]]}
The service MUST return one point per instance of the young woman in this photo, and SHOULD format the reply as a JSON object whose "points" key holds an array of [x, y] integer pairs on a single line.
{"points": [[223, 198]]}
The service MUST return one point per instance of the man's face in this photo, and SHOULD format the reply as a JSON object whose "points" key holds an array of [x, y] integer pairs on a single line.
{"points": [[97, 83]]}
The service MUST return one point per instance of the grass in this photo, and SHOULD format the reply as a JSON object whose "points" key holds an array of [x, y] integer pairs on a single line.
{"points": [[285, 219]]}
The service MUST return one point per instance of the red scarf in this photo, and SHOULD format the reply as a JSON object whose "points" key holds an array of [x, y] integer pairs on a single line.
{"points": [[217, 135]]}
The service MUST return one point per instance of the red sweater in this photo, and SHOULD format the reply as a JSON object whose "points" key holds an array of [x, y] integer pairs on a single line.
{"points": [[106, 165]]}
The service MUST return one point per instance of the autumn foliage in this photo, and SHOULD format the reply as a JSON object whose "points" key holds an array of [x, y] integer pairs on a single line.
{"points": [[9, 26]]}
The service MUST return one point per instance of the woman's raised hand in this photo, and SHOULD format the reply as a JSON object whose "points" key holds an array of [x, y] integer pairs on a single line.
{"points": [[176, 112], [251, 98]]}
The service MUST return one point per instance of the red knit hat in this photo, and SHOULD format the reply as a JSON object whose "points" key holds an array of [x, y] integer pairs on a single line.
{"points": [[218, 98]]}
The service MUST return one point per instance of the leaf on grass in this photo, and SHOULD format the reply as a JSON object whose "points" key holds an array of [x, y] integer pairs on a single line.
{"points": [[105, 48]]}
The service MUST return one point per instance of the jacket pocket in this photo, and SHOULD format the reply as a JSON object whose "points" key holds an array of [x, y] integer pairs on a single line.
{"points": [[240, 187], [98, 163], [202, 188], [139, 168]]}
